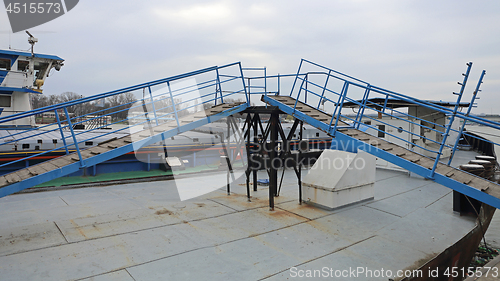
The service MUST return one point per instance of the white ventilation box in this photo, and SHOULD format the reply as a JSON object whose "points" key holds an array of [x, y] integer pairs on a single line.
{"points": [[340, 178]]}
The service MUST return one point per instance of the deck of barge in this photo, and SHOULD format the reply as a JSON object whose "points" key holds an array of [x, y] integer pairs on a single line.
{"points": [[142, 231]]}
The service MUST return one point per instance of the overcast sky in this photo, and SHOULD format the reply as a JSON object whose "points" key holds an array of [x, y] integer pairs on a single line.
{"points": [[417, 48]]}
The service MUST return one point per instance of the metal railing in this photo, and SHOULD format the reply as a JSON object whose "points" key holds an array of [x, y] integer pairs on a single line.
{"points": [[325, 89], [323, 85], [142, 106]]}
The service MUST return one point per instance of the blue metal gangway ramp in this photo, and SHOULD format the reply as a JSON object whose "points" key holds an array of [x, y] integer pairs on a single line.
{"points": [[165, 108], [318, 97]]}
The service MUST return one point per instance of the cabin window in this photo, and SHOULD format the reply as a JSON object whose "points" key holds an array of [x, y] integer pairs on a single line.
{"points": [[54, 141], [196, 140], [39, 141], [5, 101], [368, 122], [26, 146], [5, 64], [381, 132], [89, 143], [37, 147], [22, 65], [317, 134]]}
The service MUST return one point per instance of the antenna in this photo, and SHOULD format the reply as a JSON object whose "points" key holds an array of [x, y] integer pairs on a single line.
{"points": [[32, 40]]}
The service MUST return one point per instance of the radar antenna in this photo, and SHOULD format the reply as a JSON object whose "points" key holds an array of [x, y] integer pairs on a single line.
{"points": [[32, 40]]}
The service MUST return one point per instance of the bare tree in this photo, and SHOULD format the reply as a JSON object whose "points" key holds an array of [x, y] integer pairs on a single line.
{"points": [[71, 96], [119, 104]]}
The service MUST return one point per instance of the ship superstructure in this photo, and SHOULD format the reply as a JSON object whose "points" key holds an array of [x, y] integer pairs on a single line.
{"points": [[21, 74]]}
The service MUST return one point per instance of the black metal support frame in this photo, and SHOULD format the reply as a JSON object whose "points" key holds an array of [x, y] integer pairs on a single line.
{"points": [[271, 148]]}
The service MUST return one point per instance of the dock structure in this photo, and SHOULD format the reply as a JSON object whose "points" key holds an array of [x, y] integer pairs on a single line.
{"points": [[317, 97]]}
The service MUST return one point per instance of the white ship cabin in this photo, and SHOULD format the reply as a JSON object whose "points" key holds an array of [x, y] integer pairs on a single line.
{"points": [[22, 74], [392, 128]]}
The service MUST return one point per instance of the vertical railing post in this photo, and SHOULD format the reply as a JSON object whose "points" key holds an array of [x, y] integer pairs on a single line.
{"points": [[296, 77], [153, 104], [361, 111], [452, 118], [324, 89], [305, 90], [471, 105], [249, 87], [265, 84], [346, 87], [219, 88], [265, 81], [82, 164], [173, 105], [244, 86], [338, 103], [62, 133], [385, 104], [278, 84], [300, 163], [298, 96]]}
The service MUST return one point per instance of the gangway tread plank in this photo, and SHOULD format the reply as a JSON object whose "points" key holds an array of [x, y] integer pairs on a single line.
{"points": [[106, 141], [47, 166], [97, 150], [12, 178], [62, 160], [67, 164], [462, 177], [87, 153], [37, 170], [24, 174], [33, 171], [426, 162], [474, 183], [481, 185], [446, 170]]}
